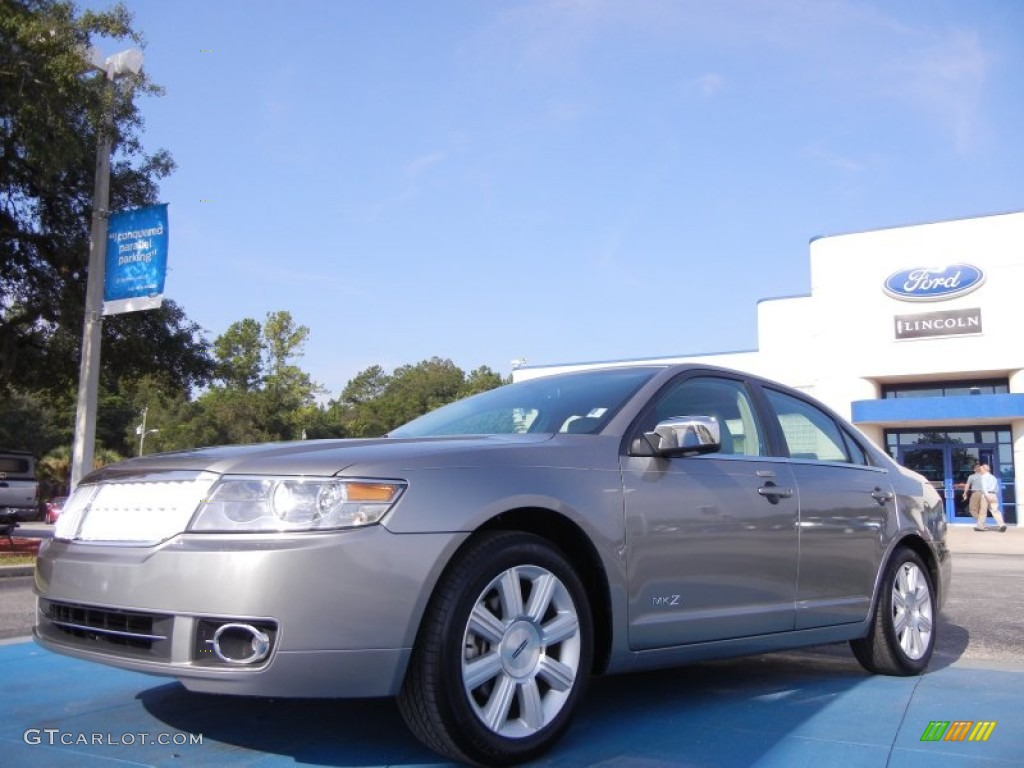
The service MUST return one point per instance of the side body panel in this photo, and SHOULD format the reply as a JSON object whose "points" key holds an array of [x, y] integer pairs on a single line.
{"points": [[710, 557], [846, 523]]}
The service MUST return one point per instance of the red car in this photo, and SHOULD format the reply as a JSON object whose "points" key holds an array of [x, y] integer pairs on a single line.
{"points": [[53, 508]]}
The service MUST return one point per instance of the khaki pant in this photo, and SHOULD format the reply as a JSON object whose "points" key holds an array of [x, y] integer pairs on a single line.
{"points": [[983, 504]]}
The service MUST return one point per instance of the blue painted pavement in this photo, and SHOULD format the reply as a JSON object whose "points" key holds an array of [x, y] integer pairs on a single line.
{"points": [[797, 709]]}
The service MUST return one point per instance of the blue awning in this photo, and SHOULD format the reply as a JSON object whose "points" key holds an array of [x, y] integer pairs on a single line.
{"points": [[959, 409]]}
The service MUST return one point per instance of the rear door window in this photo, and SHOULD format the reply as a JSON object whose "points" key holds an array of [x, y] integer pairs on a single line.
{"points": [[810, 433]]}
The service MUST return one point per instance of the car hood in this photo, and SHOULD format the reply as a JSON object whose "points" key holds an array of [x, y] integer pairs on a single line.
{"points": [[322, 457]]}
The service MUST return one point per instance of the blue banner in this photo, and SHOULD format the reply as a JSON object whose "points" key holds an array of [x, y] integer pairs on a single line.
{"points": [[136, 260]]}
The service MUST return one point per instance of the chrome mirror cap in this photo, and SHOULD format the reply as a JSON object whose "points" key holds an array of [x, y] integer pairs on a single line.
{"points": [[686, 434]]}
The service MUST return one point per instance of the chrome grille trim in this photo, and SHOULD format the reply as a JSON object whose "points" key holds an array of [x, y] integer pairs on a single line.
{"points": [[133, 509], [107, 630], [102, 631]]}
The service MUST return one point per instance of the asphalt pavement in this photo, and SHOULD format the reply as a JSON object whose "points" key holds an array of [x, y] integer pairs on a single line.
{"points": [[792, 709]]}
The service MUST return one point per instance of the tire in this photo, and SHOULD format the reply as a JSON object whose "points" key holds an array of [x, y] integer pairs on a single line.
{"points": [[902, 635], [503, 653]]}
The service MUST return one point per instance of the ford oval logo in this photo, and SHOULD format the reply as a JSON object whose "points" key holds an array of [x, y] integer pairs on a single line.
{"points": [[934, 283]]}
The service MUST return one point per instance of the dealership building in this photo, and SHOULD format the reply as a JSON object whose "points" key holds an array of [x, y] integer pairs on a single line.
{"points": [[916, 335]]}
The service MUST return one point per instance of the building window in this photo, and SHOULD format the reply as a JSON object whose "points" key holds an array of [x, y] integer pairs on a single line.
{"points": [[947, 456], [946, 388]]}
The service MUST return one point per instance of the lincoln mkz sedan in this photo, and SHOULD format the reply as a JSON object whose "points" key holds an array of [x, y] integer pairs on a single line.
{"points": [[483, 561]]}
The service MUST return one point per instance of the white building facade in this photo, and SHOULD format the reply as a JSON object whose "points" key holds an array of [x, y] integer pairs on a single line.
{"points": [[916, 335]]}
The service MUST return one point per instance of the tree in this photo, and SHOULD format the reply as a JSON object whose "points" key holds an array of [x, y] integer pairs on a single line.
{"points": [[261, 396], [365, 386], [481, 380], [373, 402], [49, 111], [54, 469], [165, 409], [283, 340], [416, 389], [289, 386], [30, 422], [54, 472], [239, 352]]}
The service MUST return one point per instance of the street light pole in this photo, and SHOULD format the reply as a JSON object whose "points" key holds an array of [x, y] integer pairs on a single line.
{"points": [[89, 371], [141, 431]]}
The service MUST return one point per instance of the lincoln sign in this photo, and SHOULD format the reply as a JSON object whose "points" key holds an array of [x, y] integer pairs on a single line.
{"points": [[957, 322]]}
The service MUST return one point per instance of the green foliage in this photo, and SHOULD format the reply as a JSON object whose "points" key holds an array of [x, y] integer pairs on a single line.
{"points": [[481, 380], [283, 340], [239, 352], [160, 342], [30, 422], [374, 402], [166, 409], [366, 386], [261, 395], [288, 388], [54, 469], [257, 407]]}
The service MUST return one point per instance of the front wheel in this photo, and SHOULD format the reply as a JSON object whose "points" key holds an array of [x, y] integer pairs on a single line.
{"points": [[902, 635], [503, 654]]}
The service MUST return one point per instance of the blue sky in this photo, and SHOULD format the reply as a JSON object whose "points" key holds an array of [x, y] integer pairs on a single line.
{"points": [[558, 180]]}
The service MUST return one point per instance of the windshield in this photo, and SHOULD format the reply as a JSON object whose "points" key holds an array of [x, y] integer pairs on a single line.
{"points": [[580, 402]]}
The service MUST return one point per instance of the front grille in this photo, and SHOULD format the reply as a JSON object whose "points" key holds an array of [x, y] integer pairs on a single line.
{"points": [[133, 510], [146, 635]]}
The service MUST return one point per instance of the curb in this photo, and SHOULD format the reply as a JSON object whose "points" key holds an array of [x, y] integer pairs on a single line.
{"points": [[964, 540], [16, 570]]}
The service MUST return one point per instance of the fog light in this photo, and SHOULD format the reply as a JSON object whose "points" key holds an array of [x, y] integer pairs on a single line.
{"points": [[240, 643]]}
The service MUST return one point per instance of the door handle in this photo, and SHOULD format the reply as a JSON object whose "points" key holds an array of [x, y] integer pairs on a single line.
{"points": [[882, 497], [774, 492]]}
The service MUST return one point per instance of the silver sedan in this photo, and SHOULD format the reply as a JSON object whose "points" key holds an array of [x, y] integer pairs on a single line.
{"points": [[483, 561]]}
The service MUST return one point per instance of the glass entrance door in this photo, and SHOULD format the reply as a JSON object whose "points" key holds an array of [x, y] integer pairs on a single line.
{"points": [[947, 466]]}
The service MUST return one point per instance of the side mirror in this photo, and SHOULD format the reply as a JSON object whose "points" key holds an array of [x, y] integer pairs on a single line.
{"points": [[686, 434]]}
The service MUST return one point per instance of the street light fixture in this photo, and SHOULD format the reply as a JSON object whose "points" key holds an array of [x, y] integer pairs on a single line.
{"points": [[113, 67]]}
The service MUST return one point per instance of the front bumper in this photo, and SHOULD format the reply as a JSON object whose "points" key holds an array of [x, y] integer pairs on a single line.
{"points": [[341, 608]]}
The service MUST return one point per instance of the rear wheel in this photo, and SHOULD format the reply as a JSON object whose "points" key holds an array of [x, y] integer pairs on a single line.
{"points": [[503, 654], [902, 635]]}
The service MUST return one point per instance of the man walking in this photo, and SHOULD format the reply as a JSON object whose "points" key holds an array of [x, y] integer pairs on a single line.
{"points": [[990, 503], [974, 494]]}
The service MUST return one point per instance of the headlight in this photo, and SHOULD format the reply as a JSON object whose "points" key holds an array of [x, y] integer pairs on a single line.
{"points": [[244, 503]]}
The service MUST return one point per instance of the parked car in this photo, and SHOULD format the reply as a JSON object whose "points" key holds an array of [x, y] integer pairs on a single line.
{"points": [[53, 508], [19, 491], [483, 561]]}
